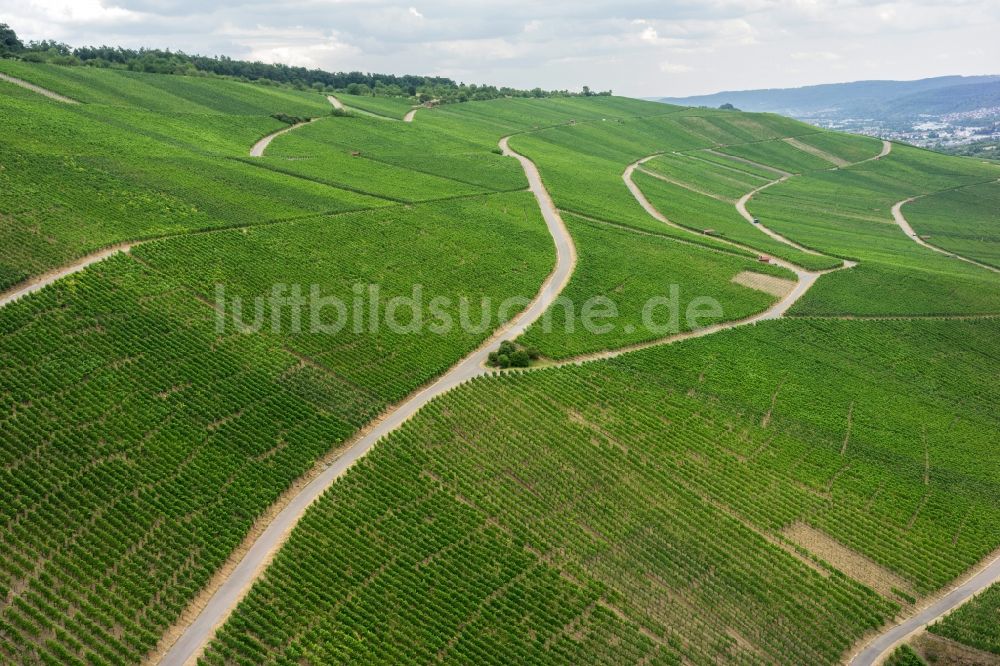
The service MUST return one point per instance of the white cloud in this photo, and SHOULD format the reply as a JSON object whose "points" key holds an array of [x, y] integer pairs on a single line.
{"points": [[81, 11], [815, 55], [674, 68], [636, 47]]}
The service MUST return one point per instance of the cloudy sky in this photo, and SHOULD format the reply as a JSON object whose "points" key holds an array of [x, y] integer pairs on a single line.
{"points": [[635, 47]]}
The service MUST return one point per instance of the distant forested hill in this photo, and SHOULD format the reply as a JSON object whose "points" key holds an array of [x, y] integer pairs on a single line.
{"points": [[863, 99]]}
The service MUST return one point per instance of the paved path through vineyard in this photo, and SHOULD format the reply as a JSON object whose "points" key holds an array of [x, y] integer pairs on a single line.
{"points": [[880, 647]]}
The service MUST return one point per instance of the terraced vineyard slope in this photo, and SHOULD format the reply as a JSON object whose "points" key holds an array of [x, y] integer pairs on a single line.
{"points": [[772, 441]]}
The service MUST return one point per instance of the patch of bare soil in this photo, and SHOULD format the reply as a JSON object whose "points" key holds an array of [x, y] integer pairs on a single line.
{"points": [[851, 563], [941, 651], [770, 284]]}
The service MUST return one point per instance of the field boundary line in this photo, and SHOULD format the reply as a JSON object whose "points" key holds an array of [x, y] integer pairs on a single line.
{"points": [[686, 186], [735, 252], [838, 162]]}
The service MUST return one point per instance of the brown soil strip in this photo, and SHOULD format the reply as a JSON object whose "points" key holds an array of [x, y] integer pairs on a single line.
{"points": [[38, 89], [770, 284], [942, 651], [813, 150], [853, 564]]}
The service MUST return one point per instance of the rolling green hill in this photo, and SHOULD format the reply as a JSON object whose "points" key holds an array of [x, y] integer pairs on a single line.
{"points": [[762, 493]]}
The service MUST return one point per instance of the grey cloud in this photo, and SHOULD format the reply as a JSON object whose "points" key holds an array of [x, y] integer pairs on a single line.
{"points": [[638, 47]]}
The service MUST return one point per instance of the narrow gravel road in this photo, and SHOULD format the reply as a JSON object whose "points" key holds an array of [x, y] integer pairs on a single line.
{"points": [[805, 280], [38, 89], [257, 150], [741, 205], [196, 636], [897, 215], [741, 208], [408, 118], [45, 279], [876, 651]]}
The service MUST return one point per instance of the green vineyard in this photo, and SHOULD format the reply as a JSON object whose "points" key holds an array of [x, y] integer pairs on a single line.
{"points": [[751, 420]]}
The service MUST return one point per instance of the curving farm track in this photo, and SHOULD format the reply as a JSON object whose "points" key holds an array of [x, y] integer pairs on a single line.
{"points": [[235, 586], [45, 279], [897, 215], [881, 646], [38, 89], [257, 150], [237, 583]]}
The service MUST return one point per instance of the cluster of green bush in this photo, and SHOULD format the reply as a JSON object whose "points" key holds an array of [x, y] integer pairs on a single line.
{"points": [[512, 355], [291, 120], [156, 61]]}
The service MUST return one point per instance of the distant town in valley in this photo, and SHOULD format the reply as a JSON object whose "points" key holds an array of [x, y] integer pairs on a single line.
{"points": [[954, 114]]}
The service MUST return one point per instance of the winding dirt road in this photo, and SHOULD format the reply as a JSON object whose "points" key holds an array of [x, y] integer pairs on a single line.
{"points": [[897, 215], [804, 278], [741, 205], [45, 279], [38, 89], [257, 150], [741, 208], [408, 118], [224, 599]]}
